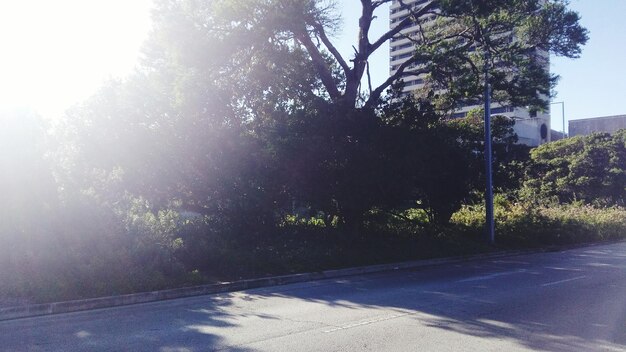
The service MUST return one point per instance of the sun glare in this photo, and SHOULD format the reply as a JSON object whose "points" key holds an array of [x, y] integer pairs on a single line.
{"points": [[55, 53]]}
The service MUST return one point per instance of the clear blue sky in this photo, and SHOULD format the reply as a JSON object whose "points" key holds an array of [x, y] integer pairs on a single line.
{"points": [[595, 84], [591, 86]]}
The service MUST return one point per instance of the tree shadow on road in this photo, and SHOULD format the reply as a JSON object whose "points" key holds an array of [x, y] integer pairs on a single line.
{"points": [[169, 326], [519, 300], [520, 304]]}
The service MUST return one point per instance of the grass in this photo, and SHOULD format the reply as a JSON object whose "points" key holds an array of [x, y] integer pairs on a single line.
{"points": [[524, 225], [305, 245]]}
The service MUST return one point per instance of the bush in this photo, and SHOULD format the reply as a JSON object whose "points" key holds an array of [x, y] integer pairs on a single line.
{"points": [[522, 224], [92, 249], [590, 168]]}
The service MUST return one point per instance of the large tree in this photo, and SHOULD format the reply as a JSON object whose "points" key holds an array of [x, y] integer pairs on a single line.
{"points": [[256, 34], [241, 105], [591, 169]]}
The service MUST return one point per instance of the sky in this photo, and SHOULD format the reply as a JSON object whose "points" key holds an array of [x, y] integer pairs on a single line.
{"points": [[595, 84], [57, 53]]}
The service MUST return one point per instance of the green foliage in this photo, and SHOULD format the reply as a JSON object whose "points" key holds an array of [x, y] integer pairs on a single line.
{"points": [[590, 168], [519, 35], [509, 158], [295, 220], [445, 158], [285, 51], [190, 168], [520, 224]]}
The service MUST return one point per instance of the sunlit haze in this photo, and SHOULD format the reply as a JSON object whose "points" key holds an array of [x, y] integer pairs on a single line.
{"points": [[55, 53], [166, 149]]}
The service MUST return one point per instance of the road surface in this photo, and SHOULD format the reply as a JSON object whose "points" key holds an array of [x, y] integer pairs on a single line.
{"points": [[561, 301]]}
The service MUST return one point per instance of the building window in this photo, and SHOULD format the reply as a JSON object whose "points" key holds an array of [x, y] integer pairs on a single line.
{"points": [[400, 47], [501, 109]]}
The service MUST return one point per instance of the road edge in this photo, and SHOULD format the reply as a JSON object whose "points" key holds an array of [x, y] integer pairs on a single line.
{"points": [[34, 310]]}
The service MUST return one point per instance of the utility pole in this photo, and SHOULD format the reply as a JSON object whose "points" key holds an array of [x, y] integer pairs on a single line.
{"points": [[489, 222]]}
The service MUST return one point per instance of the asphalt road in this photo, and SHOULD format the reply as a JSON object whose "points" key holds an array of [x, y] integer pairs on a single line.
{"points": [[561, 301]]}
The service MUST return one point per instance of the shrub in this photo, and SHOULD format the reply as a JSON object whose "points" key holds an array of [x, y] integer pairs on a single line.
{"points": [[529, 225], [590, 168]]}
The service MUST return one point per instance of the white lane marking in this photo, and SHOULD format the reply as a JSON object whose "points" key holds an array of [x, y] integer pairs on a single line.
{"points": [[350, 326], [562, 281], [599, 264], [564, 269], [491, 276]]}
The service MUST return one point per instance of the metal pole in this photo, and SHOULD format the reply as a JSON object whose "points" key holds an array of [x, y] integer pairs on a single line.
{"points": [[489, 223]]}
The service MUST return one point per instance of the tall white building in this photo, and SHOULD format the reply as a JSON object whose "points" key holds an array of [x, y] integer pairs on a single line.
{"points": [[532, 129]]}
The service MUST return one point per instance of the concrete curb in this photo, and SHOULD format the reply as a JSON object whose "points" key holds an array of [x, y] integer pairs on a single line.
{"points": [[145, 297]]}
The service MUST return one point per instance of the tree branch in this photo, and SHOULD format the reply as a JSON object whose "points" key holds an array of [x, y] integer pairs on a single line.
{"points": [[373, 98], [402, 25], [369, 78], [331, 48], [320, 64]]}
